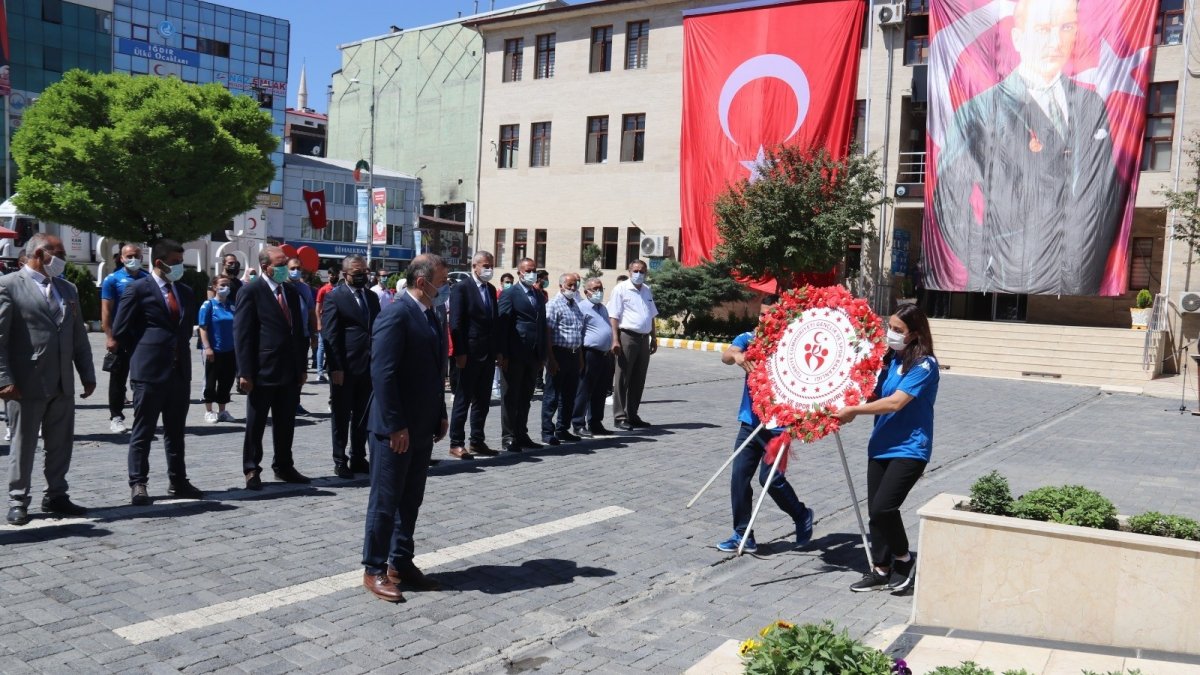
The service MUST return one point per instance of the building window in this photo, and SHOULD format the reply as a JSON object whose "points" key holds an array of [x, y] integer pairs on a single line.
{"points": [[266, 58], [52, 11], [513, 52], [543, 67], [609, 248], [539, 248], [601, 49], [189, 42], [509, 140], [140, 32], [918, 7], [633, 245], [858, 127], [1168, 26], [633, 137], [212, 47], [520, 246], [1140, 259], [597, 140], [637, 44], [500, 247], [587, 237], [916, 40], [1160, 126], [52, 59], [539, 144]]}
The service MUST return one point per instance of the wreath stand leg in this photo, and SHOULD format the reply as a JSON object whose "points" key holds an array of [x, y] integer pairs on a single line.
{"points": [[762, 497], [726, 464], [854, 500]]}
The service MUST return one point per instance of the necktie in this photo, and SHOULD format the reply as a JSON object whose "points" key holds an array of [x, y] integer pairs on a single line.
{"points": [[433, 323], [287, 313], [55, 308], [483, 294], [1055, 114], [362, 303], [172, 304]]}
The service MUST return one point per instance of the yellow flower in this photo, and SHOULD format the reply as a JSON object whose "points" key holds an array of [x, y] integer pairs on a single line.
{"points": [[747, 647], [783, 624], [765, 629]]}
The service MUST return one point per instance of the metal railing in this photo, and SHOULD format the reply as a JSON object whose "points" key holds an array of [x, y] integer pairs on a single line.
{"points": [[1154, 329], [911, 168]]}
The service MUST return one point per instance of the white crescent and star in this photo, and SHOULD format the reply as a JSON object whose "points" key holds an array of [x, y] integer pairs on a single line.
{"points": [[1115, 73], [756, 68], [314, 204]]}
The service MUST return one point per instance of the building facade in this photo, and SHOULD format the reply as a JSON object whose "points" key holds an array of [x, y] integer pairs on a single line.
{"points": [[411, 99], [581, 126]]}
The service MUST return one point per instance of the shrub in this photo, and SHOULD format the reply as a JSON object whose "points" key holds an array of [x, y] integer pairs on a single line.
{"points": [[811, 648], [1069, 505], [972, 668], [991, 494], [89, 294], [706, 327], [1163, 525], [1144, 299], [197, 280]]}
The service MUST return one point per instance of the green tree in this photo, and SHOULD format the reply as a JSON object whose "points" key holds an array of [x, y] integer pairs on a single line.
{"points": [[1184, 203], [591, 255], [693, 291], [799, 214], [138, 158]]}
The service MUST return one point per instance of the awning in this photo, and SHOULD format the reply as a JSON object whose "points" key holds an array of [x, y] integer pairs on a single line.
{"points": [[6, 233], [433, 222]]}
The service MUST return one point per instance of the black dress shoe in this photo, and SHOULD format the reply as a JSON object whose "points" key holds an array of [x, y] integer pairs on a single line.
{"points": [[582, 433], [550, 440], [62, 505], [434, 462], [567, 437], [640, 424], [138, 496], [528, 443], [292, 476], [410, 576], [185, 490], [624, 426], [600, 430], [17, 515], [253, 482], [482, 449], [512, 446], [343, 471], [360, 465]]}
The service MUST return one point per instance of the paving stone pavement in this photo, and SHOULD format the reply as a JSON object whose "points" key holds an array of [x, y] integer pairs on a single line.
{"points": [[643, 592]]}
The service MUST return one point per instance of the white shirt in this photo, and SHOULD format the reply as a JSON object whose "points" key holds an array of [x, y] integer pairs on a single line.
{"points": [[49, 291], [1042, 94], [386, 295], [633, 307], [162, 289]]}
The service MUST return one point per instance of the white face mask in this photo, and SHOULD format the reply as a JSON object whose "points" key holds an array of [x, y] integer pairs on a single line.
{"points": [[568, 294], [896, 340], [637, 278], [529, 278], [485, 274], [55, 267], [597, 297], [133, 264]]}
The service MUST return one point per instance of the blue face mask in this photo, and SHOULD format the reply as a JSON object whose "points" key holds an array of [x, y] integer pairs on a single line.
{"points": [[294, 275], [175, 273], [443, 294]]}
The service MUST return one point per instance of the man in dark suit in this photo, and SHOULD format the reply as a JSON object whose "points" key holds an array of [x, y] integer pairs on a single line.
{"points": [[521, 334], [473, 312], [154, 326], [347, 315], [41, 337], [272, 352], [1036, 147], [408, 415]]}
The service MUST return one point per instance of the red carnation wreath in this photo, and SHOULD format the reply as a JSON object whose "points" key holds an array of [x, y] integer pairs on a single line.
{"points": [[816, 351]]}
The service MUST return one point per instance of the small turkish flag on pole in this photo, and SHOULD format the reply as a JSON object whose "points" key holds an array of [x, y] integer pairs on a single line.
{"points": [[315, 201]]}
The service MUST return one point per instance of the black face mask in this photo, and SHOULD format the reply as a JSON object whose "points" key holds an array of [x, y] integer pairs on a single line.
{"points": [[233, 269], [358, 280]]}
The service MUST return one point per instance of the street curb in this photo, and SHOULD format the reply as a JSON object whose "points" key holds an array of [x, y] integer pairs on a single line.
{"points": [[694, 345]]}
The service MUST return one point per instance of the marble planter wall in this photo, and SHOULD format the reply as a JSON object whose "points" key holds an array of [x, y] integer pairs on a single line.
{"points": [[1021, 577]]}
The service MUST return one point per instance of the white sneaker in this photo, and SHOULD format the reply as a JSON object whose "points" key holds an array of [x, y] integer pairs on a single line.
{"points": [[224, 416], [7, 434], [210, 417], [117, 425]]}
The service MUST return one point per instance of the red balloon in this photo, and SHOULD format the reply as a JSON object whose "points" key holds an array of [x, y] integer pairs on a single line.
{"points": [[289, 250], [308, 258]]}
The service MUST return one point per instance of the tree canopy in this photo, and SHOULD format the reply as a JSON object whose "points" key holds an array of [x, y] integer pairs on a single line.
{"points": [[693, 291], [1184, 202], [139, 158], [798, 215]]}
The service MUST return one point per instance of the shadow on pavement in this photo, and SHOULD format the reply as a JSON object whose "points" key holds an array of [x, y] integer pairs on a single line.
{"points": [[47, 532], [496, 579]]}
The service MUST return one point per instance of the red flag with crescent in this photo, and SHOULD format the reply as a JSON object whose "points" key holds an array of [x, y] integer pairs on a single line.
{"points": [[315, 201], [753, 79]]}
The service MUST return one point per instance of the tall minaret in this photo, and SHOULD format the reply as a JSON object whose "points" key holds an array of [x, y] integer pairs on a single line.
{"points": [[302, 90]]}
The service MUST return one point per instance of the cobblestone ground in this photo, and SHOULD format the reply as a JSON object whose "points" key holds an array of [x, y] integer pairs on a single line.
{"points": [[640, 592]]}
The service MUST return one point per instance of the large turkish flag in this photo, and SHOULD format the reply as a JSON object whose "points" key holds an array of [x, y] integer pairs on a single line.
{"points": [[754, 79], [315, 201]]}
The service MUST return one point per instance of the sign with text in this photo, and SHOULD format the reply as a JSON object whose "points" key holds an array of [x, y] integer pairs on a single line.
{"points": [[379, 216], [157, 52], [362, 233]]}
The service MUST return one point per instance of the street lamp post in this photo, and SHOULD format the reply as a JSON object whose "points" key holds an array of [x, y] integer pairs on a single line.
{"points": [[375, 92]]}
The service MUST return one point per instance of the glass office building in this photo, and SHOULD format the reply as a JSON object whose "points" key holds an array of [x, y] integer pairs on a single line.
{"points": [[202, 42]]}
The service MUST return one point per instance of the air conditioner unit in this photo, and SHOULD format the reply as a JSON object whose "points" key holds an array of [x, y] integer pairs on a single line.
{"points": [[1189, 302], [890, 14], [653, 245]]}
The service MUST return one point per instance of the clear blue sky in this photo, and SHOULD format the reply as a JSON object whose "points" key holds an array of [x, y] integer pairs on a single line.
{"points": [[319, 27]]}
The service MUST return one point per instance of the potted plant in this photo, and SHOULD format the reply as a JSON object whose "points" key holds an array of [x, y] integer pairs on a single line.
{"points": [[1139, 314]]}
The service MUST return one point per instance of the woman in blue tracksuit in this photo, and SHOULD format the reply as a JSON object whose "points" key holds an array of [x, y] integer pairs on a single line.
{"points": [[900, 445]]}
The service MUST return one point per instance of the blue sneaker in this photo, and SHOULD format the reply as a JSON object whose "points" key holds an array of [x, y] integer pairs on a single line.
{"points": [[730, 545], [804, 528]]}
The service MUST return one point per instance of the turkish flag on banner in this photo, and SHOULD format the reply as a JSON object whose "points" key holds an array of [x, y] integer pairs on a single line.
{"points": [[754, 79], [315, 201]]}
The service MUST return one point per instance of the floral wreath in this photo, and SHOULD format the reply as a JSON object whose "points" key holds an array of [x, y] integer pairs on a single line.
{"points": [[808, 423]]}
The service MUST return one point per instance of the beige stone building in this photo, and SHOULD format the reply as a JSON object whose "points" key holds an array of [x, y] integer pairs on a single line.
{"points": [[562, 83]]}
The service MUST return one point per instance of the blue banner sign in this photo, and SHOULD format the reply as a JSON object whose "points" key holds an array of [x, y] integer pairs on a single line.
{"points": [[336, 249], [157, 52]]}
